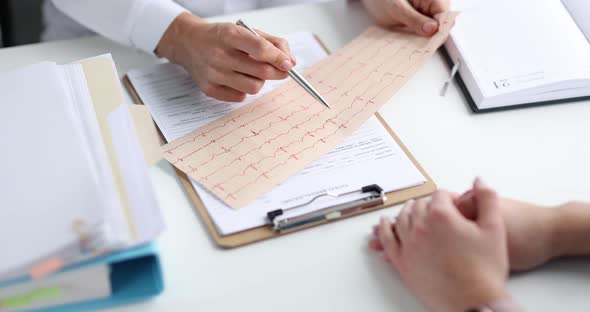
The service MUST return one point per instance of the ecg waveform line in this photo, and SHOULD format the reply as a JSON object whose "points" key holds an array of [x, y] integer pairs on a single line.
{"points": [[322, 140], [247, 152]]}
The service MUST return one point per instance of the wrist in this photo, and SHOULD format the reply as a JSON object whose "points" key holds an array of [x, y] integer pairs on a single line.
{"points": [[569, 237], [483, 295], [482, 291], [173, 42], [504, 305]]}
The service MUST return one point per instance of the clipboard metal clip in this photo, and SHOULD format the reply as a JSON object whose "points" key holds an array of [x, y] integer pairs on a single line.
{"points": [[375, 197]]}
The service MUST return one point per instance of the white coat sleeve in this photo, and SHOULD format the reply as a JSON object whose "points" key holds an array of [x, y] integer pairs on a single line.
{"points": [[138, 23]]}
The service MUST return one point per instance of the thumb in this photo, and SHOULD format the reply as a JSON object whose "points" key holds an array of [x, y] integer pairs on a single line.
{"points": [[414, 20], [487, 204]]}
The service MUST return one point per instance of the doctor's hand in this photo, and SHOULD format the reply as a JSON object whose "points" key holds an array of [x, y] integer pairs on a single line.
{"points": [[225, 60], [415, 15], [450, 262]]}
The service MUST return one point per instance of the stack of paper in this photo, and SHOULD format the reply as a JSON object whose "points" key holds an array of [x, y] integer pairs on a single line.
{"points": [[74, 184]]}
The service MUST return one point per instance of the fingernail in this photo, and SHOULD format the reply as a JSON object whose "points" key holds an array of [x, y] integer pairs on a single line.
{"points": [[481, 183], [286, 65], [429, 27]]}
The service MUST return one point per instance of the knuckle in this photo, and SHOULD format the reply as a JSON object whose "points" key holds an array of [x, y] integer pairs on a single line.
{"points": [[421, 229], [282, 42], [261, 47], [254, 86], [228, 31], [218, 56], [240, 97], [440, 196], [384, 238], [259, 85], [279, 57], [438, 192], [266, 72], [211, 74], [489, 192], [438, 214], [208, 89]]}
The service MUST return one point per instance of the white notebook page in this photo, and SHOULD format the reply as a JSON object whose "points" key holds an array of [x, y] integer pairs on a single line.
{"points": [[369, 156], [580, 12], [510, 46]]}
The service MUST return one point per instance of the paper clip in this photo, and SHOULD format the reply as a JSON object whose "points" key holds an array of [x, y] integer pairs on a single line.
{"points": [[81, 230], [91, 239]]}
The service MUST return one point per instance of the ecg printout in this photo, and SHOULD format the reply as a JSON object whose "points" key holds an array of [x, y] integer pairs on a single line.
{"points": [[370, 149], [249, 151]]}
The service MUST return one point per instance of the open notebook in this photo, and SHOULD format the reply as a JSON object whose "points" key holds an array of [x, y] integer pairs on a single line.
{"points": [[513, 53], [369, 156], [75, 179]]}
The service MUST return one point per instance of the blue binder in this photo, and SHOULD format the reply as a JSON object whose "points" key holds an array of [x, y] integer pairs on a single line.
{"points": [[136, 274]]}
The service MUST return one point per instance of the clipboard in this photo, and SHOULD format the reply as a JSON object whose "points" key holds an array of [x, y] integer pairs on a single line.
{"points": [[266, 232]]}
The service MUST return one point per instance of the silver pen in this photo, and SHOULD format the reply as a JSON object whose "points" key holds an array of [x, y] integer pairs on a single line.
{"points": [[294, 74]]}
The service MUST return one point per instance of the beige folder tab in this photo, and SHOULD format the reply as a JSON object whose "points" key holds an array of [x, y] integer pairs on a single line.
{"points": [[106, 93]]}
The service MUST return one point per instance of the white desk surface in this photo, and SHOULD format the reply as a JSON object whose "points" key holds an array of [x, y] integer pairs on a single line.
{"points": [[538, 154]]}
